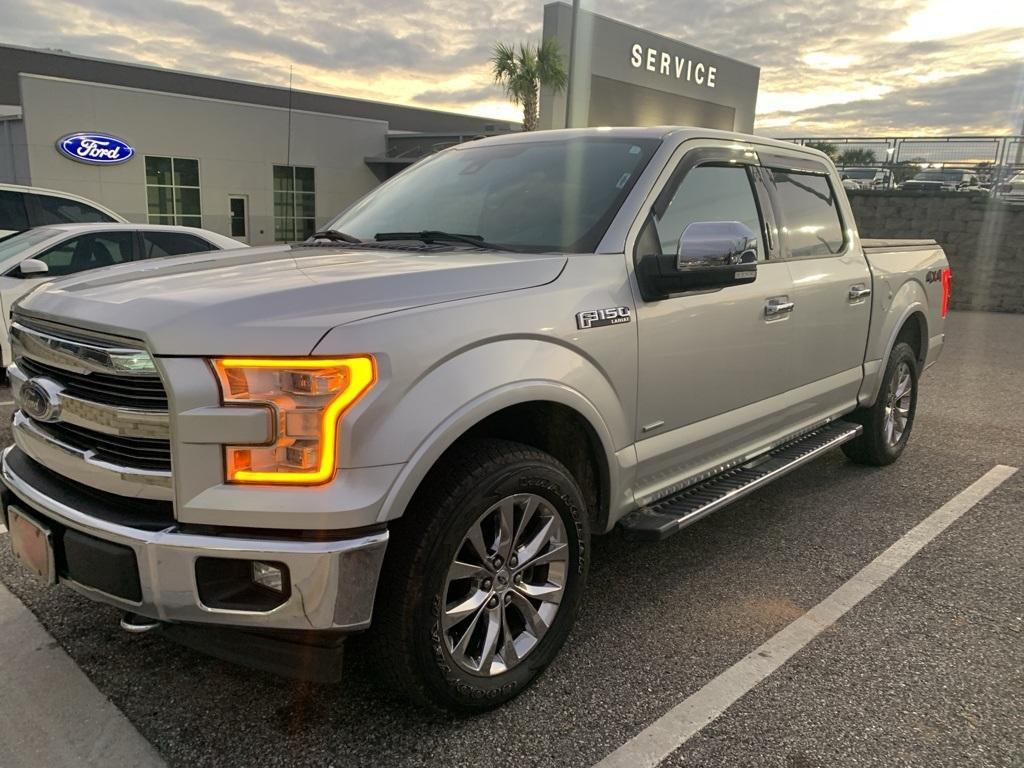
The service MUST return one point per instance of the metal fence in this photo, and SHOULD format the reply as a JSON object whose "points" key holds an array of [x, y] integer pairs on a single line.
{"points": [[993, 158]]}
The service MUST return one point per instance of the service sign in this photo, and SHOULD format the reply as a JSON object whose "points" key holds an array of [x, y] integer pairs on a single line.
{"points": [[95, 148]]}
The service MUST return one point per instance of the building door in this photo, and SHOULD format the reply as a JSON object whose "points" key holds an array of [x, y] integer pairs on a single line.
{"points": [[239, 208]]}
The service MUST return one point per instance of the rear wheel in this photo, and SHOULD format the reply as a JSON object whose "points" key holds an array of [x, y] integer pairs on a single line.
{"points": [[483, 578], [888, 422]]}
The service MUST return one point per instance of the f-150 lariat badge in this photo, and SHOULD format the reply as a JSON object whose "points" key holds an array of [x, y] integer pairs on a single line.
{"points": [[595, 318]]}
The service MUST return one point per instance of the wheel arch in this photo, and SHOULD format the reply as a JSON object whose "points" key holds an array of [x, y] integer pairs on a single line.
{"points": [[546, 415], [906, 319]]}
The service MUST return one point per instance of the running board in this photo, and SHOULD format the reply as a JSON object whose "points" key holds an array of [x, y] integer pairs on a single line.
{"points": [[665, 517]]}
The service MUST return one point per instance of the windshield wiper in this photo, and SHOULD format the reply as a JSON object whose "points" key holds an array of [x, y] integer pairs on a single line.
{"points": [[430, 236], [335, 235]]}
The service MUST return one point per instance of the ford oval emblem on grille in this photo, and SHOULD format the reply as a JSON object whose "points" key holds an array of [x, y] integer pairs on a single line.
{"points": [[40, 399]]}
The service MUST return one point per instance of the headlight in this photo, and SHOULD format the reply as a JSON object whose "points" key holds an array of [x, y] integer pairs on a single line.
{"points": [[307, 397]]}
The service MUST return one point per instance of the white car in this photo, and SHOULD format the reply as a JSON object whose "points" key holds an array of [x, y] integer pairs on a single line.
{"points": [[23, 208], [1012, 188], [28, 258], [867, 178]]}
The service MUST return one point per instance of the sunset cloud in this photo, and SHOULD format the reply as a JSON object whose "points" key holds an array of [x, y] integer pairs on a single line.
{"points": [[891, 66]]}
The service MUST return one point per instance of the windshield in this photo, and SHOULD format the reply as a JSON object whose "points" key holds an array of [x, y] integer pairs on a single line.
{"points": [[946, 176], [527, 196], [859, 173], [23, 241]]}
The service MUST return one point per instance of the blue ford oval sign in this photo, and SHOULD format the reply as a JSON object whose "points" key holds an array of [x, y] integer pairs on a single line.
{"points": [[95, 148]]}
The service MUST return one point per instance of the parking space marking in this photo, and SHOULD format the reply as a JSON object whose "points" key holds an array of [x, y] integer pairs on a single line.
{"points": [[6, 402], [669, 732], [3, 529]]}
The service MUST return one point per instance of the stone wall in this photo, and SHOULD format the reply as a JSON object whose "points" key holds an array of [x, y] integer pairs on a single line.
{"points": [[983, 238]]}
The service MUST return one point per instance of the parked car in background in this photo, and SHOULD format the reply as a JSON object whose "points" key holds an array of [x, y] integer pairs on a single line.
{"points": [[23, 208], [1012, 188], [867, 178], [28, 258], [413, 422], [943, 180]]}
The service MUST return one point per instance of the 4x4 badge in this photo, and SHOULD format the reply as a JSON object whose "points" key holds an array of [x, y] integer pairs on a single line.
{"points": [[595, 318]]}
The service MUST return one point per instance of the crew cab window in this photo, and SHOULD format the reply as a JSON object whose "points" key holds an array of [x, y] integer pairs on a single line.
{"points": [[710, 193], [809, 214], [87, 252], [12, 211], [157, 244], [61, 210]]}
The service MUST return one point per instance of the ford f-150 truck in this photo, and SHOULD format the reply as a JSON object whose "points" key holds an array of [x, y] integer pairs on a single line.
{"points": [[413, 423]]}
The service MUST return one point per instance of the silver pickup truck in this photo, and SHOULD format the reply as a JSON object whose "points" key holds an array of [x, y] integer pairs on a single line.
{"points": [[413, 423]]}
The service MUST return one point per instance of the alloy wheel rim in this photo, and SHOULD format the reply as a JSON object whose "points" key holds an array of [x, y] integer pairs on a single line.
{"points": [[897, 406], [505, 585]]}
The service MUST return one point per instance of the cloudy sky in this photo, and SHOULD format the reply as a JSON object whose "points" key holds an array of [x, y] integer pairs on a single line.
{"points": [[866, 67]]}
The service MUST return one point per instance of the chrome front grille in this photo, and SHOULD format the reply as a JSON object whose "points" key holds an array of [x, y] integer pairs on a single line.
{"points": [[125, 451], [145, 392], [92, 409]]}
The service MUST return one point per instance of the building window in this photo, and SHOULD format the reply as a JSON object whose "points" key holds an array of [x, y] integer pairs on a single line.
{"points": [[172, 191], [294, 203]]}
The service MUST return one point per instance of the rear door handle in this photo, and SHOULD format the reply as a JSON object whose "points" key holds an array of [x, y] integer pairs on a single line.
{"points": [[778, 305], [858, 291]]}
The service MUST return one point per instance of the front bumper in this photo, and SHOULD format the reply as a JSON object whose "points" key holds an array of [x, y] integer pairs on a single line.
{"points": [[333, 582]]}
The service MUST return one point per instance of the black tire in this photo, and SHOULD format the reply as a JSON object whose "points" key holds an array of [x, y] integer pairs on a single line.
{"points": [[406, 644], [873, 447]]}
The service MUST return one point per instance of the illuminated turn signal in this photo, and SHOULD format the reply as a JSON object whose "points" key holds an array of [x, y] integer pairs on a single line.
{"points": [[307, 397]]}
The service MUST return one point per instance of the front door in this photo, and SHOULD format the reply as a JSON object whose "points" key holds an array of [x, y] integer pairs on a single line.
{"points": [[710, 360], [239, 214]]}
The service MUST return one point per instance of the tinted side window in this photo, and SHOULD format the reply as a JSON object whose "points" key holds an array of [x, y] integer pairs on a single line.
{"points": [[12, 211], [87, 252], [157, 244], [710, 193], [60, 210], [809, 214]]}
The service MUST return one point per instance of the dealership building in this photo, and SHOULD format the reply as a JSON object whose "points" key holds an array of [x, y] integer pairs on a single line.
{"points": [[266, 164]]}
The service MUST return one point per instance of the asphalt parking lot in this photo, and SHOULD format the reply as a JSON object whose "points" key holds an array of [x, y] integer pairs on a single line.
{"points": [[927, 670]]}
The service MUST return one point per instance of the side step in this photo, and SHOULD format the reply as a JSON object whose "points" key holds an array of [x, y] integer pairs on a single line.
{"points": [[665, 517]]}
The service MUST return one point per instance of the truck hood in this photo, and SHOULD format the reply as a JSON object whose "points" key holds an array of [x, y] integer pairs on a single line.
{"points": [[278, 300]]}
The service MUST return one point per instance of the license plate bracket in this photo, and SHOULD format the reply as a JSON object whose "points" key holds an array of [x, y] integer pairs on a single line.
{"points": [[32, 544]]}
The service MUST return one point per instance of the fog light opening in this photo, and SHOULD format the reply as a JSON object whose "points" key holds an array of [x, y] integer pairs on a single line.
{"points": [[241, 584]]}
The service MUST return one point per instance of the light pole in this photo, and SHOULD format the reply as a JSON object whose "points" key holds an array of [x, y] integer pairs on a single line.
{"points": [[572, 61]]}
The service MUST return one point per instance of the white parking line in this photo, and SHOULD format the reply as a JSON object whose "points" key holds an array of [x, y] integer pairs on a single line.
{"points": [[6, 402], [3, 529], [666, 734]]}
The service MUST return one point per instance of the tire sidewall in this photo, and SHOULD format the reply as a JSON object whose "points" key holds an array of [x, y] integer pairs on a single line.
{"points": [[901, 353], [459, 688]]}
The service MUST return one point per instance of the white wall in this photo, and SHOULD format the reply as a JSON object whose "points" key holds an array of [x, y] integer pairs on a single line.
{"points": [[236, 145]]}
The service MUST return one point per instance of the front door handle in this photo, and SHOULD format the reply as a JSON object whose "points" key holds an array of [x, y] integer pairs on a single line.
{"points": [[778, 305], [858, 291]]}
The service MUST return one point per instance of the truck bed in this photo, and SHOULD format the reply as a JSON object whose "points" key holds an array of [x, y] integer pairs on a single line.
{"points": [[874, 244]]}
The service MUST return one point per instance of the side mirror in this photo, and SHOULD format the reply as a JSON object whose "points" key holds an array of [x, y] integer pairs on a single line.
{"points": [[33, 268], [709, 254], [713, 244]]}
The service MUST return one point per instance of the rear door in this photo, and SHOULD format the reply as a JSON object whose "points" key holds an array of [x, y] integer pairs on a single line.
{"points": [[831, 282]]}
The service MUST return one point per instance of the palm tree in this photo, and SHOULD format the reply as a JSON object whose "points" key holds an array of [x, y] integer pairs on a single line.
{"points": [[524, 69]]}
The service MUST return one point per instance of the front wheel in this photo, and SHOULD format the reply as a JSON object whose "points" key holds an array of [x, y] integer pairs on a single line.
{"points": [[482, 579], [888, 422]]}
